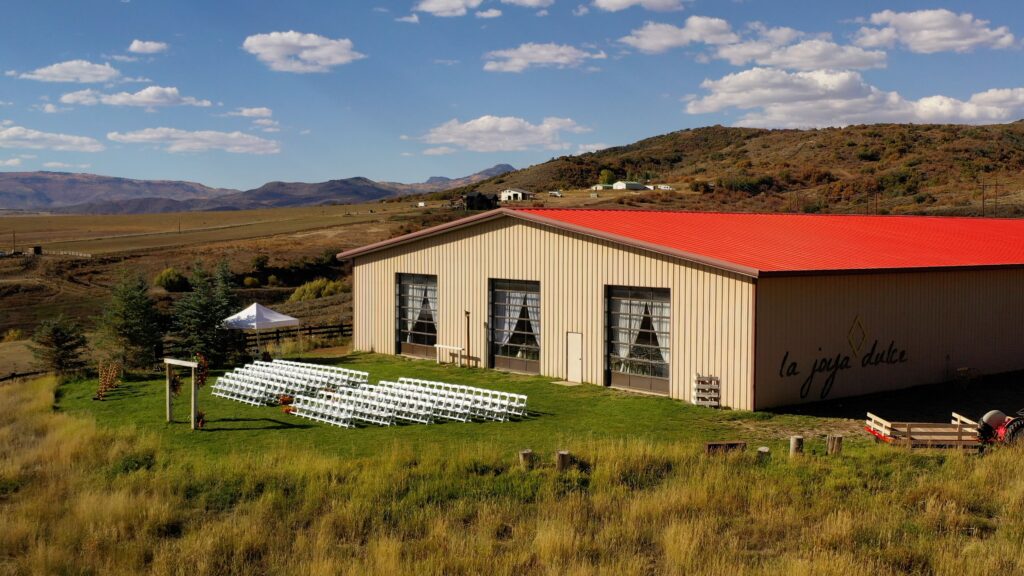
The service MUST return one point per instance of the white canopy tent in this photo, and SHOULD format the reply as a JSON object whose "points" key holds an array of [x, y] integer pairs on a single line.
{"points": [[258, 317]]}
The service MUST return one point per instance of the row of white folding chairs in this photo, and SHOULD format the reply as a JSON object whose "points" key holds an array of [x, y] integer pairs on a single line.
{"points": [[240, 389], [324, 410], [423, 407], [444, 404], [365, 406], [278, 384], [313, 372], [355, 376], [307, 381], [492, 400]]}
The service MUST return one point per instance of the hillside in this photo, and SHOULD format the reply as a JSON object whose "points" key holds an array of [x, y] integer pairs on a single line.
{"points": [[49, 190], [885, 167], [91, 194]]}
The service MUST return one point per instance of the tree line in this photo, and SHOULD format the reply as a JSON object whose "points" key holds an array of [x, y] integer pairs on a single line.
{"points": [[131, 330]]}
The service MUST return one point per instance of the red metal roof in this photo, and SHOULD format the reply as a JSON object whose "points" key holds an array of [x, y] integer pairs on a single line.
{"points": [[801, 243]]}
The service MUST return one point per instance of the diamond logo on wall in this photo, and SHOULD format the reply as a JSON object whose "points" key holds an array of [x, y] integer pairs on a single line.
{"points": [[857, 335]]}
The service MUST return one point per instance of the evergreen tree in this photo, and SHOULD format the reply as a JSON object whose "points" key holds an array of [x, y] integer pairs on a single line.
{"points": [[58, 344], [130, 327], [198, 315]]}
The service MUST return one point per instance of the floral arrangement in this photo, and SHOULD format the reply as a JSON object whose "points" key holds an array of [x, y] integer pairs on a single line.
{"points": [[202, 371]]}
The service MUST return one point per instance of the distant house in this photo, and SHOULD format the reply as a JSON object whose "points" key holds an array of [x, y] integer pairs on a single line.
{"points": [[555, 193], [515, 195], [601, 187], [628, 185], [649, 186], [665, 187], [421, 204]]}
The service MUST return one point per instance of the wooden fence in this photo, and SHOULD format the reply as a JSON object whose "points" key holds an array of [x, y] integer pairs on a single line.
{"points": [[276, 336]]}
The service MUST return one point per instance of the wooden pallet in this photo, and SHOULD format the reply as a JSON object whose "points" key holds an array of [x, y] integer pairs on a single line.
{"points": [[960, 432]]}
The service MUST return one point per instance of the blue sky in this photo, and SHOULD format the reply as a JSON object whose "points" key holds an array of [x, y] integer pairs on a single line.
{"points": [[238, 93]]}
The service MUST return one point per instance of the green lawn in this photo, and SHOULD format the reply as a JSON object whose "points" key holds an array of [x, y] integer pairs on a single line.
{"points": [[559, 416]]}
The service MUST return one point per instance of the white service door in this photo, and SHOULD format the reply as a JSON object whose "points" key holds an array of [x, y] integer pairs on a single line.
{"points": [[574, 357]]}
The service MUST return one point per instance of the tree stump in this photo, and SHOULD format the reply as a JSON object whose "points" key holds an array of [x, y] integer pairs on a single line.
{"points": [[563, 460], [526, 458], [796, 445], [833, 445]]}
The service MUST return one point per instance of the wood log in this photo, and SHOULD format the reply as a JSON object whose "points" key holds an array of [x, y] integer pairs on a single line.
{"points": [[833, 445], [526, 458], [722, 447], [796, 445], [563, 460]]}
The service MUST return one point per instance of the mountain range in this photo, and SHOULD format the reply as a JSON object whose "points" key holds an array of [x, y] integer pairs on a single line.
{"points": [[65, 192]]}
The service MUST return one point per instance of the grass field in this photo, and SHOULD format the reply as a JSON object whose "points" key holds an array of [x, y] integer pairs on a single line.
{"points": [[107, 487]]}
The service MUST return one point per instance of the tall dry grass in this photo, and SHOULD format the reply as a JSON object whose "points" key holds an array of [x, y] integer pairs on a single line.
{"points": [[75, 498]]}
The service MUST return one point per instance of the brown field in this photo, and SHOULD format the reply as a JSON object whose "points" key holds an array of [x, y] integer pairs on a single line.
{"points": [[32, 288]]}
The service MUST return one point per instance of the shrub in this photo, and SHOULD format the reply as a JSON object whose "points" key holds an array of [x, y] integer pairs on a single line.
{"points": [[172, 281], [273, 281], [251, 282], [13, 335], [319, 288], [750, 184], [701, 186], [869, 155]]}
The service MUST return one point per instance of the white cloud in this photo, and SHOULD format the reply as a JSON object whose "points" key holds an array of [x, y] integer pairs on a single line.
{"points": [[410, 19], [124, 58], [65, 166], [580, 10], [655, 37], [258, 112], [147, 47], [503, 134], [267, 125], [10, 162], [541, 13], [584, 148], [6, 103], [447, 8], [300, 53], [492, 13], [151, 97], [49, 108], [929, 31], [530, 3], [656, 5], [81, 71], [777, 98], [807, 55], [538, 55], [20, 137], [175, 140], [438, 151], [446, 61]]}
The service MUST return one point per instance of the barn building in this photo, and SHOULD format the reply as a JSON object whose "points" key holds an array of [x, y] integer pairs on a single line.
{"points": [[781, 308]]}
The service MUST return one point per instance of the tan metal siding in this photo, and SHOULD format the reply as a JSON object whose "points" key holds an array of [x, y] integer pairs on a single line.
{"points": [[945, 320], [712, 310]]}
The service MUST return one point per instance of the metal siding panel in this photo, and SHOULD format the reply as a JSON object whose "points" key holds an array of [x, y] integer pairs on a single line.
{"points": [[944, 319], [709, 333]]}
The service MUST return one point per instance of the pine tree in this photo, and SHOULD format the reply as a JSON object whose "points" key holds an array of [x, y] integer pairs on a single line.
{"points": [[198, 315], [58, 344], [130, 328]]}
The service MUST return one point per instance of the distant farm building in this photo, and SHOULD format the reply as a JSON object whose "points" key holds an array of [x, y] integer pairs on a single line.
{"points": [[665, 187], [601, 187], [779, 309], [514, 195], [627, 185]]}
